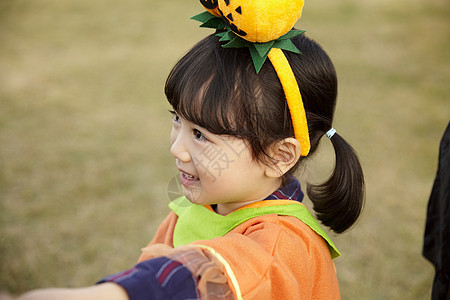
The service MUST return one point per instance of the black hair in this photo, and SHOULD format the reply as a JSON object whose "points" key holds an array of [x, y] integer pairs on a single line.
{"points": [[217, 88]]}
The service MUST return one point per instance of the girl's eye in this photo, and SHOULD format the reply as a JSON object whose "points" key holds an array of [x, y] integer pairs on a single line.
{"points": [[199, 135], [175, 118]]}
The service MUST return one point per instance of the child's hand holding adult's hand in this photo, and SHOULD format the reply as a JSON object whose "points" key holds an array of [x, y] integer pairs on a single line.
{"points": [[106, 291]]}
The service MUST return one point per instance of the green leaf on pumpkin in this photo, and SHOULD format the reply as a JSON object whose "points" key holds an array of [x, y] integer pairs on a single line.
{"points": [[220, 34], [237, 42], [287, 45], [227, 36], [216, 23], [203, 17], [258, 60], [209, 20], [292, 33], [263, 48]]}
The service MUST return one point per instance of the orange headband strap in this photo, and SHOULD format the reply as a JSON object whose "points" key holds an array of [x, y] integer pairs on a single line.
{"points": [[293, 98]]}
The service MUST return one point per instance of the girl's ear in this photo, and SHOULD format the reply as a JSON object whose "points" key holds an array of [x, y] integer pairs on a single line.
{"points": [[285, 154]]}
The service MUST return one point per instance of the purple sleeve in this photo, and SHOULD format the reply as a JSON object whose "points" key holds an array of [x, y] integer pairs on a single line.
{"points": [[157, 278]]}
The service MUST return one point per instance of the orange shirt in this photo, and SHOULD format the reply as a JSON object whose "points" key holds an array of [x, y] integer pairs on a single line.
{"points": [[269, 257]]}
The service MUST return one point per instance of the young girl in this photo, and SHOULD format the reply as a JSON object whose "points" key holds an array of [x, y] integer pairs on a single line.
{"points": [[240, 230]]}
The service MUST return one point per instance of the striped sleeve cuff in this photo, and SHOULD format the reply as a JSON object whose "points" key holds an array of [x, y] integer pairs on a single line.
{"points": [[157, 278]]}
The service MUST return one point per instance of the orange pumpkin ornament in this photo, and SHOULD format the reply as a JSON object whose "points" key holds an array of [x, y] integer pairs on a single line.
{"points": [[257, 21]]}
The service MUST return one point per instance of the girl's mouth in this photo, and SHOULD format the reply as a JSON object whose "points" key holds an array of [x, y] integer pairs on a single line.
{"points": [[188, 179]]}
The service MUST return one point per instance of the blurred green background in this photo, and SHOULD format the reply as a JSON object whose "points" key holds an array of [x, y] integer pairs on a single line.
{"points": [[84, 160]]}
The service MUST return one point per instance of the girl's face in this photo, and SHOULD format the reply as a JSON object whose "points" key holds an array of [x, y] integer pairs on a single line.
{"points": [[217, 169]]}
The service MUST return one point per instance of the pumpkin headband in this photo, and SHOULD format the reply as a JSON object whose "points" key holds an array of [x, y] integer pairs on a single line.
{"points": [[265, 27]]}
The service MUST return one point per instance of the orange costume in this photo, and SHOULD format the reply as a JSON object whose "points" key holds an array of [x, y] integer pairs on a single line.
{"points": [[278, 251]]}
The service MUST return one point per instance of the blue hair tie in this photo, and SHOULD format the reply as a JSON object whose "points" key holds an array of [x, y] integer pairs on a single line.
{"points": [[331, 132]]}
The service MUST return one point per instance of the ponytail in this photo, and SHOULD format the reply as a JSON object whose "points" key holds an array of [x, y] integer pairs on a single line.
{"points": [[338, 201]]}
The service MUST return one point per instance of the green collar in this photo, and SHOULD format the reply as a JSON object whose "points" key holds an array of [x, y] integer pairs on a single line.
{"points": [[196, 222]]}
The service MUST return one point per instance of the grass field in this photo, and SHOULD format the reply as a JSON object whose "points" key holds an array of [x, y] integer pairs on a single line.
{"points": [[84, 161]]}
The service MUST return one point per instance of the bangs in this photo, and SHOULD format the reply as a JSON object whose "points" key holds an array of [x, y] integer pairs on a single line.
{"points": [[209, 88]]}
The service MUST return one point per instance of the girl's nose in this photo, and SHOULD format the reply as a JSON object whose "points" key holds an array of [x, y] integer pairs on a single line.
{"points": [[179, 150]]}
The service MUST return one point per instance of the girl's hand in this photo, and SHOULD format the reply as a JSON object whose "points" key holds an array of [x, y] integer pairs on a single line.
{"points": [[107, 291]]}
